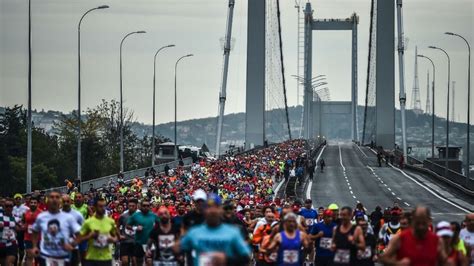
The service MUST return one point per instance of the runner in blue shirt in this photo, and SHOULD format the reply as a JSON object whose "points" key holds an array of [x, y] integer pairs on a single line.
{"points": [[322, 234], [213, 242]]}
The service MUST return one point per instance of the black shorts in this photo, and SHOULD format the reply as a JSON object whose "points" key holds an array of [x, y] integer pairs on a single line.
{"points": [[138, 251], [127, 249], [28, 244], [9, 251]]}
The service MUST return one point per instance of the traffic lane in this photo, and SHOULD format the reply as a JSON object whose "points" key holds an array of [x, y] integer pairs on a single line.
{"points": [[411, 194], [369, 192], [330, 186]]}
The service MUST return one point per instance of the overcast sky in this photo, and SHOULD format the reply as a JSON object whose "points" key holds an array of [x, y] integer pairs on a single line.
{"points": [[196, 26]]}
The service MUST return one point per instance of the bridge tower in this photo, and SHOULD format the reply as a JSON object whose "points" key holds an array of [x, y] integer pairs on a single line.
{"points": [[385, 74], [327, 24], [255, 91]]}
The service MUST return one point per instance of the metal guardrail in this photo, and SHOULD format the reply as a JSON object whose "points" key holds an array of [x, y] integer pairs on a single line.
{"points": [[128, 176], [452, 175]]}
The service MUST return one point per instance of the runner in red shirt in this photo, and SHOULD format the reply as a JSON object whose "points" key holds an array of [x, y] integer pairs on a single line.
{"points": [[417, 246], [28, 220]]}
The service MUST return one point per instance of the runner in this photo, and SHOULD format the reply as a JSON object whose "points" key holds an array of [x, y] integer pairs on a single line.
{"points": [[289, 242], [196, 216], [322, 164], [9, 226], [347, 239], [100, 231], [80, 206], [368, 256], [417, 246], [213, 242], [458, 242], [127, 236], [28, 220], [162, 239], [321, 233], [445, 233], [55, 228], [18, 211], [389, 229], [66, 208], [467, 235], [310, 215], [144, 220]]}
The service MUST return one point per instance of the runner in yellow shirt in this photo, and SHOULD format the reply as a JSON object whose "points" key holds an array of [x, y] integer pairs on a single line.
{"points": [[100, 231]]}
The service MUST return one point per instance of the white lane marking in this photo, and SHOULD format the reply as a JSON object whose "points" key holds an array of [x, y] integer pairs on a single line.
{"points": [[431, 191], [385, 185], [340, 159], [363, 153], [407, 204], [398, 198], [351, 192], [354, 197], [389, 189], [279, 186], [310, 185], [393, 193]]}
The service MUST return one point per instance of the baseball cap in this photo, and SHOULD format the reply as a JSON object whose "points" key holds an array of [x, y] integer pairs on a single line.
{"points": [[444, 229], [214, 199], [333, 206], [327, 213], [199, 195]]}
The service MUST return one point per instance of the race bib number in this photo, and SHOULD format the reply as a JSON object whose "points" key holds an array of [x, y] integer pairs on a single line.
{"points": [[55, 262], [207, 259], [165, 241], [309, 222], [30, 229], [342, 256], [325, 242], [8, 234], [129, 232], [290, 256], [273, 257], [364, 254], [101, 241]]}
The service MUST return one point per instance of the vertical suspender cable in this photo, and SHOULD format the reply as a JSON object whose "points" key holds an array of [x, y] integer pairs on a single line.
{"points": [[222, 94], [283, 68], [368, 72]]}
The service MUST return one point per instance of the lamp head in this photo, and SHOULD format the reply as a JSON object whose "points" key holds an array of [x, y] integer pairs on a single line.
{"points": [[188, 55], [171, 45], [103, 7], [433, 47], [449, 33], [140, 31]]}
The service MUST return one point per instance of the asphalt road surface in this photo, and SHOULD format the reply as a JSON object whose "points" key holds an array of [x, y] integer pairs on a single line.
{"points": [[352, 175]]}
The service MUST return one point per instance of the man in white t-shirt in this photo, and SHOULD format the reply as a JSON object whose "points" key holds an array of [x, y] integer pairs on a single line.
{"points": [[56, 229], [467, 235]]}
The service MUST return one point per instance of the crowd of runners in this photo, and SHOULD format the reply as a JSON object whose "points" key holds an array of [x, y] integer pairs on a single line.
{"points": [[222, 212]]}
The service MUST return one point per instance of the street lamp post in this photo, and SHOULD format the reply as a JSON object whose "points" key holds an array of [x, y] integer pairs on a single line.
{"points": [[468, 102], [154, 89], [176, 106], [447, 110], [121, 98], [79, 176], [30, 123], [432, 103]]}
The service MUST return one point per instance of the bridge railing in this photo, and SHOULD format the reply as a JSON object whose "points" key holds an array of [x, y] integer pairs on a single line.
{"points": [[128, 176], [452, 175]]}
